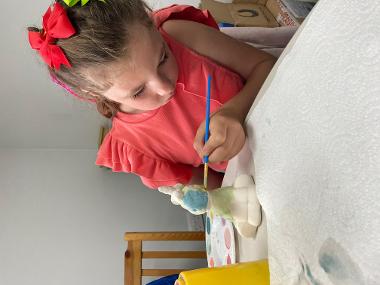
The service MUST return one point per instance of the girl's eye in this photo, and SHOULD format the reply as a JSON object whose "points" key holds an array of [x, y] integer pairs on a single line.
{"points": [[164, 58], [138, 93]]}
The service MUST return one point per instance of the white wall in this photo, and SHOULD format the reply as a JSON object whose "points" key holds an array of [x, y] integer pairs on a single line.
{"points": [[34, 113], [62, 218]]}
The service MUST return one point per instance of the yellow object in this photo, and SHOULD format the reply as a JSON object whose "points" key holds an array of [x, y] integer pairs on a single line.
{"points": [[253, 273]]}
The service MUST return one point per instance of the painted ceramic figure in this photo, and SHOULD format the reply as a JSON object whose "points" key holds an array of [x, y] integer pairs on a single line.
{"points": [[237, 203]]}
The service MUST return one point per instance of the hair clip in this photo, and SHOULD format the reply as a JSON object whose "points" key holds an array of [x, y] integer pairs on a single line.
{"points": [[56, 25], [72, 3]]}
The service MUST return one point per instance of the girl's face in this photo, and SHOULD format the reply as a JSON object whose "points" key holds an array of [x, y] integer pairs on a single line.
{"points": [[146, 78]]}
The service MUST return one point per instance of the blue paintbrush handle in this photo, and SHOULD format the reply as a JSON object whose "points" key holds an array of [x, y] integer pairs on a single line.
{"points": [[205, 158]]}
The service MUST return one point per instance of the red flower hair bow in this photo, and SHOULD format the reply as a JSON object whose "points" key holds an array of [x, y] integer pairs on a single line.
{"points": [[56, 25]]}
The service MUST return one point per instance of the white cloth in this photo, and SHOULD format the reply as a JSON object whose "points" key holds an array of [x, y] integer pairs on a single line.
{"points": [[315, 137], [248, 249], [272, 40]]}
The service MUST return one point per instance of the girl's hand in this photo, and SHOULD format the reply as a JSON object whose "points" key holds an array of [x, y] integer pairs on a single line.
{"points": [[226, 139]]}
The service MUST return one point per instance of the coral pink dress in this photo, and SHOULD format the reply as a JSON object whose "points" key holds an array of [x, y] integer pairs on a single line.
{"points": [[158, 145]]}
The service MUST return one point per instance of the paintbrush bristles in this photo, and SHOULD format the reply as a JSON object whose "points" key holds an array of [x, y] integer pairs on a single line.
{"points": [[205, 174]]}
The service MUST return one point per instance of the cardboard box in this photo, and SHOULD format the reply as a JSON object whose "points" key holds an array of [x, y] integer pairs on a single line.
{"points": [[241, 13], [281, 13]]}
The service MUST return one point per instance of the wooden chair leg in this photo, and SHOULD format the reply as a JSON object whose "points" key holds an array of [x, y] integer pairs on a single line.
{"points": [[133, 263]]}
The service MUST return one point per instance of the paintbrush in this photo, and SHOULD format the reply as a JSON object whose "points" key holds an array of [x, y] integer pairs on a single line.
{"points": [[205, 158]]}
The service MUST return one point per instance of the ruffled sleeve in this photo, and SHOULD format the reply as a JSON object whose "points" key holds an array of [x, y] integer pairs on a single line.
{"points": [[154, 172], [184, 12]]}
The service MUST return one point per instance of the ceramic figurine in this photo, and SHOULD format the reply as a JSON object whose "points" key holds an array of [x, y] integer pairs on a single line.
{"points": [[237, 203]]}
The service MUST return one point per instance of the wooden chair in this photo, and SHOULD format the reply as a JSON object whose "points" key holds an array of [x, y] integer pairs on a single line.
{"points": [[133, 271]]}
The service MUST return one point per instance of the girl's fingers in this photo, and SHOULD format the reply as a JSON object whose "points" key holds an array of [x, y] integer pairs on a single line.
{"points": [[227, 137], [218, 136], [229, 148], [219, 154]]}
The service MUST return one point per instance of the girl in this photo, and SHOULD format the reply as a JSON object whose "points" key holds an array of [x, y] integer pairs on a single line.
{"points": [[147, 71]]}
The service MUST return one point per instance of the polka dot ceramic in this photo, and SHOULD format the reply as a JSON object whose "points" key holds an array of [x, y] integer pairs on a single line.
{"points": [[220, 241]]}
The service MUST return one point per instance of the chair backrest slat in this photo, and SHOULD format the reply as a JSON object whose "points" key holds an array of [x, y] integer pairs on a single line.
{"points": [[134, 255]]}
